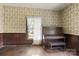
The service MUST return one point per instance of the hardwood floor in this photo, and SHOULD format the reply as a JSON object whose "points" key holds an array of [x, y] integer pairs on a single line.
{"points": [[33, 51]]}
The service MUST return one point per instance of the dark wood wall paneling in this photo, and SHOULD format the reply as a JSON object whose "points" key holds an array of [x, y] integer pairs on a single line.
{"points": [[72, 42], [1, 39], [20, 38], [14, 39]]}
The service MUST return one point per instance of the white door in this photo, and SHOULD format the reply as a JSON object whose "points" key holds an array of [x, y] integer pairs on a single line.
{"points": [[36, 28]]}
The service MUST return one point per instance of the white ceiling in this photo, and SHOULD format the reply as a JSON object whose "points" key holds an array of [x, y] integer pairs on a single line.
{"points": [[50, 6]]}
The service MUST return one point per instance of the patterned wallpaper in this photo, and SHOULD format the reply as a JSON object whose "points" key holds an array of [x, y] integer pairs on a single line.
{"points": [[1, 19], [15, 18], [70, 17]]}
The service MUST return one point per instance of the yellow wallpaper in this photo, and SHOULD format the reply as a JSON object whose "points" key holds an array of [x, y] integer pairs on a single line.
{"points": [[15, 18], [1, 19], [70, 17]]}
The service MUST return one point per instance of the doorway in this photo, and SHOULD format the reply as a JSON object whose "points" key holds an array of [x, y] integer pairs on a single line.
{"points": [[34, 25]]}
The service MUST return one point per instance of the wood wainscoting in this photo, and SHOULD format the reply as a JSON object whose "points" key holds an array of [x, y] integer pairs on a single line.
{"points": [[1, 40], [72, 42], [14, 39]]}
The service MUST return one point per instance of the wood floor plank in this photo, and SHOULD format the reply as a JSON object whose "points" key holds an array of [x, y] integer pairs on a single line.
{"points": [[33, 51]]}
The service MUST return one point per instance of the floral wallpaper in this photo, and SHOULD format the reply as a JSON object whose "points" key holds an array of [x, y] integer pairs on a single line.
{"points": [[1, 19], [70, 17], [15, 18]]}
